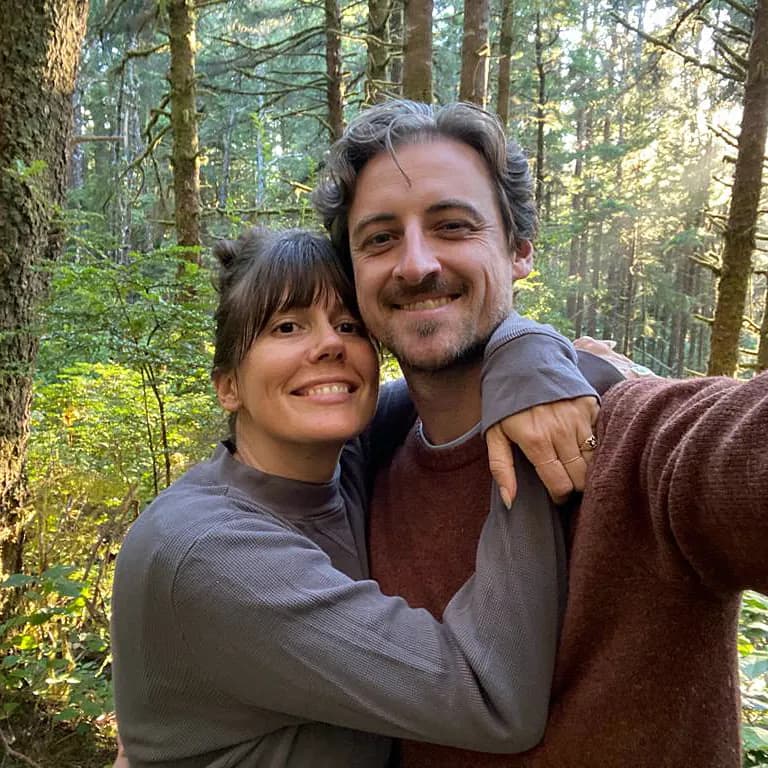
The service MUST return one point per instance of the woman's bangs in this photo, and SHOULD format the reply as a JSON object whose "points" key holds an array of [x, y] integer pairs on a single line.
{"points": [[314, 281]]}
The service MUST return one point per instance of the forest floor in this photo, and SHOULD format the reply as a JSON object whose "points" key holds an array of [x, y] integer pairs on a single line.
{"points": [[31, 739]]}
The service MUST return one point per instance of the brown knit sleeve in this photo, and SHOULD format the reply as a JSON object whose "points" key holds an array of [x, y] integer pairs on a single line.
{"points": [[693, 455]]}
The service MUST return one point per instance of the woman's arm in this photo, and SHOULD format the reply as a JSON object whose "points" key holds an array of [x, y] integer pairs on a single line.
{"points": [[289, 633]]}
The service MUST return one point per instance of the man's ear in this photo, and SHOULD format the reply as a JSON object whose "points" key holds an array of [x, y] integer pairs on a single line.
{"points": [[522, 259], [225, 385]]}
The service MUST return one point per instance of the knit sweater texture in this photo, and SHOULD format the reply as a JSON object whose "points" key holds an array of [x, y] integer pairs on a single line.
{"points": [[673, 525], [245, 632]]}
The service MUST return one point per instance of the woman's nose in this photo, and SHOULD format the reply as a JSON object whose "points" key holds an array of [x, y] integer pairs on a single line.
{"points": [[329, 346]]}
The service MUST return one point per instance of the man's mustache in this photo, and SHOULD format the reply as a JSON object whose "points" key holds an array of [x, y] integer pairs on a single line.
{"points": [[430, 286]]}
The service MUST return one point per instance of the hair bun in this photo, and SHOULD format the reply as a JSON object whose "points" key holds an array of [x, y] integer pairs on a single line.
{"points": [[227, 251]]}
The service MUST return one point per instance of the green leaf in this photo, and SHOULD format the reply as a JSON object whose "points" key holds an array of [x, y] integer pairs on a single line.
{"points": [[754, 737], [27, 643], [68, 713], [18, 580], [58, 572], [754, 666]]}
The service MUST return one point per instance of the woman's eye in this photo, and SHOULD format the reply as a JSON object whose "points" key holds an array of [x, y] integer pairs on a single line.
{"points": [[287, 326], [350, 327]]}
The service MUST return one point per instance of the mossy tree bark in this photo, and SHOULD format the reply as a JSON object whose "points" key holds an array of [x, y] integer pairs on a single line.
{"points": [[186, 153], [378, 47], [417, 51], [39, 55], [506, 41], [745, 199], [334, 90], [475, 53]]}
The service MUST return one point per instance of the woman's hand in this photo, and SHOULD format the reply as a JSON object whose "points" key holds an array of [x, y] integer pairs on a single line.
{"points": [[605, 348], [557, 438], [121, 761]]}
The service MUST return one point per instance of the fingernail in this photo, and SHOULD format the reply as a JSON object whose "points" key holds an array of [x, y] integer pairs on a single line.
{"points": [[505, 497]]}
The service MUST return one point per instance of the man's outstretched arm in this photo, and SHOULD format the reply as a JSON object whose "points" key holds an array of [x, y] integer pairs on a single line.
{"points": [[696, 451]]}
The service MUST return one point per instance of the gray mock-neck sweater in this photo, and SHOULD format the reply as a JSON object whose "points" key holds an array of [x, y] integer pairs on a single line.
{"points": [[246, 633]]}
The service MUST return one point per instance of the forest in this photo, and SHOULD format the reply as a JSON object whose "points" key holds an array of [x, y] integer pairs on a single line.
{"points": [[135, 133]]}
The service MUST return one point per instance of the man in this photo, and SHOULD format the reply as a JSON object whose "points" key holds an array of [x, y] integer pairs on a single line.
{"points": [[435, 215]]}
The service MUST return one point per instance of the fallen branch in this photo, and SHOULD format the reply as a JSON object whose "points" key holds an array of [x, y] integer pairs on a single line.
{"points": [[11, 752]]}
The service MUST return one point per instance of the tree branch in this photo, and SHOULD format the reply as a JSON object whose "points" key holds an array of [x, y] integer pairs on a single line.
{"points": [[17, 755], [669, 47], [741, 8]]}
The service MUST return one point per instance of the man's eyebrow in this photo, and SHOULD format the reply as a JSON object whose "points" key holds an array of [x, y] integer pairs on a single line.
{"points": [[453, 203], [373, 218]]}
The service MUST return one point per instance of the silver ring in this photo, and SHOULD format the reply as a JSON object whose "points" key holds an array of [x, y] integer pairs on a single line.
{"points": [[590, 443]]}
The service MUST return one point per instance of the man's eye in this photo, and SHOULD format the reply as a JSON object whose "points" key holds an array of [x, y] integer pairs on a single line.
{"points": [[454, 226], [380, 238]]}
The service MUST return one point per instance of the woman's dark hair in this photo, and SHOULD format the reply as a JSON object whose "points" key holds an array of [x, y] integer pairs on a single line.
{"points": [[263, 272]]}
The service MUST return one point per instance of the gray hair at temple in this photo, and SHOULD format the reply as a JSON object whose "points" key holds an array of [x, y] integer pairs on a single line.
{"points": [[385, 127]]}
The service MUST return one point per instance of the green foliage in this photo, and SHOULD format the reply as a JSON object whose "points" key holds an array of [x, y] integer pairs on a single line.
{"points": [[753, 665], [55, 649], [122, 405]]}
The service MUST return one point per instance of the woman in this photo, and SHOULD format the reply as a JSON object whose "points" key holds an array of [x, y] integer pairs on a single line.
{"points": [[244, 629]]}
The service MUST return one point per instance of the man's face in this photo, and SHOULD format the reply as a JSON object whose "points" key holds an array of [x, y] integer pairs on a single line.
{"points": [[432, 262]]}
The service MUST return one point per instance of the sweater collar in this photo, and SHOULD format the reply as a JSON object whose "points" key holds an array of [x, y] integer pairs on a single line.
{"points": [[293, 499], [455, 455]]}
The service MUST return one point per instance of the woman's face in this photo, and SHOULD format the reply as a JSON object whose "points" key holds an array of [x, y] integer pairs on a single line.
{"points": [[310, 377]]}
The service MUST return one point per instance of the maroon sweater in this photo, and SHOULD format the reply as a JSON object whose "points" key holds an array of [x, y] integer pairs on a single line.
{"points": [[673, 525]]}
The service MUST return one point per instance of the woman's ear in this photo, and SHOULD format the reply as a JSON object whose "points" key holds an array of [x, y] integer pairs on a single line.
{"points": [[225, 385]]}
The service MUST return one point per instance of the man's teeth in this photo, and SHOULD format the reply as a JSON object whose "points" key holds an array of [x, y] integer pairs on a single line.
{"points": [[326, 389], [427, 304]]}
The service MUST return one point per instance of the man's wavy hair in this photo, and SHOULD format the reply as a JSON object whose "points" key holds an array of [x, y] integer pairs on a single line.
{"points": [[387, 126]]}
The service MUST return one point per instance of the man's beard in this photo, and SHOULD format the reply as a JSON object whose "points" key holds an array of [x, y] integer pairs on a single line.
{"points": [[468, 348], [466, 353]]}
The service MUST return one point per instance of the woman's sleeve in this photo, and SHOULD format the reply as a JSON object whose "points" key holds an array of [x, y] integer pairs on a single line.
{"points": [[528, 364], [287, 632]]}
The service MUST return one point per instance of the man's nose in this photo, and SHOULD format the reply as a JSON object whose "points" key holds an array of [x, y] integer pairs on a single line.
{"points": [[418, 259]]}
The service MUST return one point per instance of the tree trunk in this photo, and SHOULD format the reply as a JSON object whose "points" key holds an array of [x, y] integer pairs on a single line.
{"points": [[762, 348], [541, 95], [597, 258], [740, 230], [377, 43], [506, 41], [397, 42], [333, 70], [39, 54], [417, 51], [222, 195], [475, 53], [628, 299], [577, 225], [186, 160]]}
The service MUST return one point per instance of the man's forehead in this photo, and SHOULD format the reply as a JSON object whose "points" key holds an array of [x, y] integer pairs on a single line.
{"points": [[451, 173]]}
